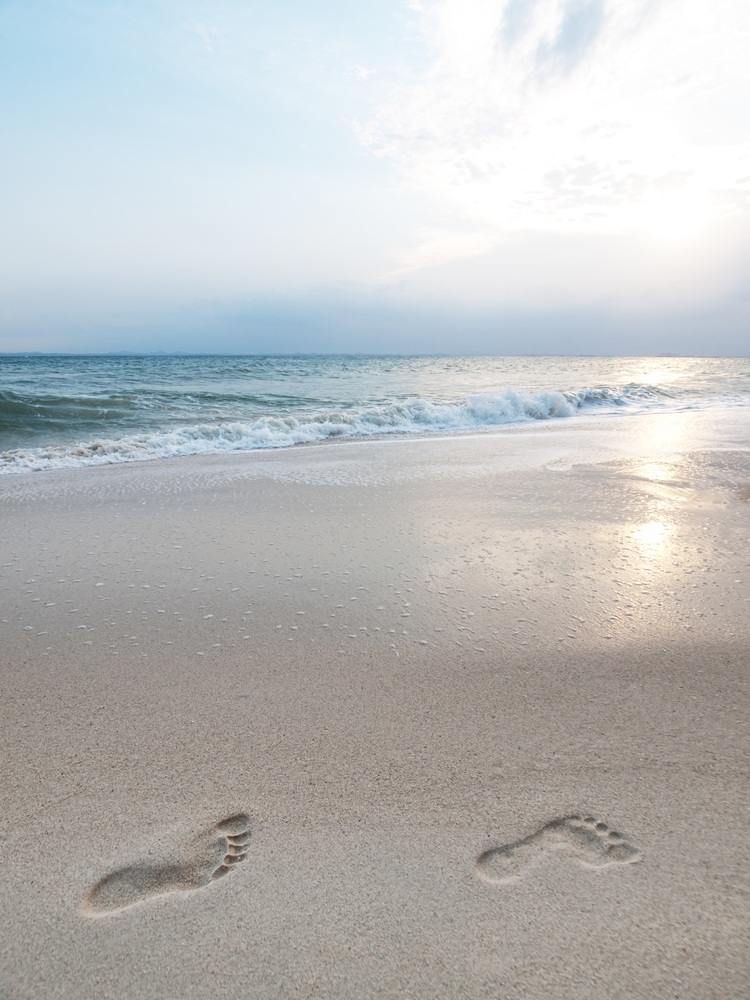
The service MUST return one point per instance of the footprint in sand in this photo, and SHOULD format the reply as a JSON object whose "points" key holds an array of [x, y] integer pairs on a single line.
{"points": [[588, 841], [200, 863]]}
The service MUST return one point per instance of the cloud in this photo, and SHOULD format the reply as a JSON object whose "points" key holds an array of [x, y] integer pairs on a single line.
{"points": [[207, 33], [571, 116], [432, 246], [579, 25]]}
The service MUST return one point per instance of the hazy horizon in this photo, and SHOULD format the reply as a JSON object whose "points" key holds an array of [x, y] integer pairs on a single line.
{"points": [[353, 354]]}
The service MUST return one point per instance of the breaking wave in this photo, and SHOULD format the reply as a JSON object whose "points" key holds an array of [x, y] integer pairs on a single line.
{"points": [[409, 417]]}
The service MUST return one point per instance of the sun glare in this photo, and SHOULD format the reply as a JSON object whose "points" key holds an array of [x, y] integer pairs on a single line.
{"points": [[652, 533], [651, 538]]}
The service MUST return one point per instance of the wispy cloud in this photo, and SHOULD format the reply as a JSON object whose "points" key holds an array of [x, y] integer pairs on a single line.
{"points": [[571, 115], [207, 33], [432, 246], [361, 72]]}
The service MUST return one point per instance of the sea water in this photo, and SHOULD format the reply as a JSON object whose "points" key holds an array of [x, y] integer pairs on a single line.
{"points": [[64, 411]]}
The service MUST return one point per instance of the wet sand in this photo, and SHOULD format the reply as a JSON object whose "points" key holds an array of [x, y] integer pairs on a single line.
{"points": [[441, 718]]}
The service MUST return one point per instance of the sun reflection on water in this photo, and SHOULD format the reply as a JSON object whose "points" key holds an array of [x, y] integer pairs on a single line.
{"points": [[651, 537], [658, 472]]}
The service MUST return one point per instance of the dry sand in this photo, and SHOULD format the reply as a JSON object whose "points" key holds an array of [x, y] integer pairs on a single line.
{"points": [[453, 718]]}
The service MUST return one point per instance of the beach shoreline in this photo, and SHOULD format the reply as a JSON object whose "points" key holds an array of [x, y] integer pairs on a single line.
{"points": [[398, 658]]}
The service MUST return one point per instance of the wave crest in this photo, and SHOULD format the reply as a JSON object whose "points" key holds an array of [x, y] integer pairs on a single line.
{"points": [[413, 416]]}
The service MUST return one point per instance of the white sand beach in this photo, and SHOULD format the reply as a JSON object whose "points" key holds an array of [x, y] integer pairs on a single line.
{"points": [[451, 718]]}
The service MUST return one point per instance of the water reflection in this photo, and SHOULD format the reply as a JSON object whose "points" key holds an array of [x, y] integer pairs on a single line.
{"points": [[651, 538], [651, 533], [657, 472]]}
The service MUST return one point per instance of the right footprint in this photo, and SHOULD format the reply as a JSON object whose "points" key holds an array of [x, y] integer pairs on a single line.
{"points": [[587, 840]]}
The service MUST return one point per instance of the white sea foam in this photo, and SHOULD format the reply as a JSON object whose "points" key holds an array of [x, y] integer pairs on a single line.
{"points": [[415, 416]]}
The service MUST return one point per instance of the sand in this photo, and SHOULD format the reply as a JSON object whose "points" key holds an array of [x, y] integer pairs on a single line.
{"points": [[447, 718]]}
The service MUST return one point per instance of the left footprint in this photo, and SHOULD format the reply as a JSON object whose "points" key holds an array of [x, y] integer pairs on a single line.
{"points": [[201, 862]]}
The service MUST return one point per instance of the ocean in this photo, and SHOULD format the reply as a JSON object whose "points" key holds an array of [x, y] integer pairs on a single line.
{"points": [[66, 411]]}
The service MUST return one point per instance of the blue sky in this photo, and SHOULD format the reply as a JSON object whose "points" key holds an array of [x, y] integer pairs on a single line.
{"points": [[490, 176]]}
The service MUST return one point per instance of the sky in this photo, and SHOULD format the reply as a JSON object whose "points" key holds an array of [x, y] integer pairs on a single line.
{"points": [[438, 176]]}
